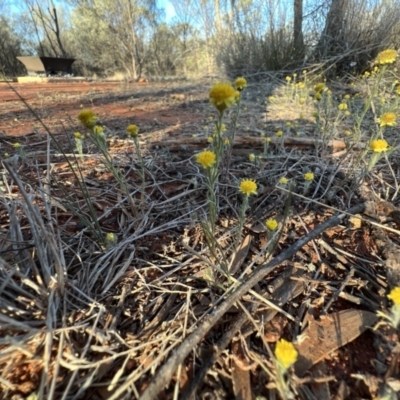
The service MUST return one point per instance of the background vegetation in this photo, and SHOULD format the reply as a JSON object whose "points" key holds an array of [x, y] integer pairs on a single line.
{"points": [[133, 37]]}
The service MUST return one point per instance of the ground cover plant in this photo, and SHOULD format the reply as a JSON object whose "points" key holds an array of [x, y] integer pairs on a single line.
{"points": [[254, 257]]}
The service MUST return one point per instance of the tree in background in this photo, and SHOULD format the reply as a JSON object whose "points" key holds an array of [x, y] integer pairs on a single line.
{"points": [[131, 38]]}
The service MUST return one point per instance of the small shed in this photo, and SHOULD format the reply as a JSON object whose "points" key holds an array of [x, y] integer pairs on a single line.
{"points": [[48, 65]]}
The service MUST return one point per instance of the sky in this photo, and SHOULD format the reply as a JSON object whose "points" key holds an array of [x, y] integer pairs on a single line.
{"points": [[168, 8]]}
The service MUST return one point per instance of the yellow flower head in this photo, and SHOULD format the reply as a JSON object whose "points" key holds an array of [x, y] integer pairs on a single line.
{"points": [[288, 78], [17, 145], [394, 295], [98, 130], [387, 119], [309, 176], [347, 113], [267, 139], [111, 238], [279, 133], [222, 95], [342, 107], [252, 157], [271, 224], [346, 96], [379, 145], [87, 118], [347, 132], [240, 84], [285, 353], [78, 135], [318, 96], [386, 57], [206, 158], [283, 180], [210, 139], [302, 100], [132, 130], [248, 187], [319, 87], [289, 124]]}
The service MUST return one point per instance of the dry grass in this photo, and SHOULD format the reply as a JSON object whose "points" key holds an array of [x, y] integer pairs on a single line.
{"points": [[151, 315]]}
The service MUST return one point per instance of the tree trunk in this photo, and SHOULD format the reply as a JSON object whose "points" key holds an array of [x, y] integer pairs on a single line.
{"points": [[333, 41], [298, 40]]}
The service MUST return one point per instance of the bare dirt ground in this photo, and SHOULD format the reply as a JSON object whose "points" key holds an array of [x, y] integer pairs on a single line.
{"points": [[333, 284], [116, 103]]}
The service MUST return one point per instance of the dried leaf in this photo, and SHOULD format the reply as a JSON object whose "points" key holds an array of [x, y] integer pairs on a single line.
{"points": [[240, 374], [240, 255], [330, 333]]}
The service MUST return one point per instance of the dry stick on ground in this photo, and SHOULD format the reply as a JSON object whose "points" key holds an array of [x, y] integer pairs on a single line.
{"points": [[286, 289], [165, 373], [178, 144]]}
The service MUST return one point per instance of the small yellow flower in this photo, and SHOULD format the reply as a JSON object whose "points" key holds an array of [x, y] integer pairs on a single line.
{"points": [[252, 157], [87, 118], [347, 133], [6, 155], [248, 187], [222, 95], [347, 113], [386, 57], [210, 118], [98, 130], [132, 130], [279, 133], [271, 224], [111, 238], [379, 145], [342, 107], [283, 180], [240, 84], [394, 295], [302, 100], [17, 145], [288, 124], [319, 87], [387, 119], [206, 158], [346, 96], [210, 139], [78, 135], [318, 96], [226, 142], [288, 79], [267, 139], [285, 353], [309, 176]]}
